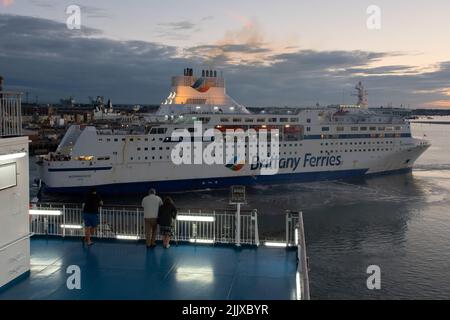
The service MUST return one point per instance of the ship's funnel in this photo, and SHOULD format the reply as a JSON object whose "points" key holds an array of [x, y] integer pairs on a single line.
{"points": [[204, 94]]}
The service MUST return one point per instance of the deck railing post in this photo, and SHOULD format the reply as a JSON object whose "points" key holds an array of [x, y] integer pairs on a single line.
{"points": [[255, 212], [137, 223], [194, 231], [287, 226], [175, 232], [238, 225], [100, 233], [303, 260], [64, 220], [214, 226]]}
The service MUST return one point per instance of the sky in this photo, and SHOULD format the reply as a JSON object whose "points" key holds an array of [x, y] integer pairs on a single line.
{"points": [[272, 53]]}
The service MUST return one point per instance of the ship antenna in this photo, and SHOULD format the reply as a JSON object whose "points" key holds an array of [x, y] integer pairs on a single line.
{"points": [[361, 94]]}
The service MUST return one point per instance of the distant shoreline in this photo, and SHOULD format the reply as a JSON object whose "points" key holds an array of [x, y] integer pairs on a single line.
{"points": [[431, 122]]}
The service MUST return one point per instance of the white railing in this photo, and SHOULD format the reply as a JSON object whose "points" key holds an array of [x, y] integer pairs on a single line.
{"points": [[10, 114], [292, 222], [192, 225], [295, 236]]}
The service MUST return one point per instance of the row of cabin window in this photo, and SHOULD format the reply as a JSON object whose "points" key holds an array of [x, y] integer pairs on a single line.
{"points": [[188, 147], [356, 150], [129, 139], [294, 152], [292, 145], [169, 139], [204, 139], [246, 139], [146, 158], [372, 135], [167, 157], [356, 143], [280, 145], [340, 129], [260, 120], [153, 148]]}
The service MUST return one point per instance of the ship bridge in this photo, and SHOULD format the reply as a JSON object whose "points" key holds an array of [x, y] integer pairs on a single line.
{"points": [[199, 94]]}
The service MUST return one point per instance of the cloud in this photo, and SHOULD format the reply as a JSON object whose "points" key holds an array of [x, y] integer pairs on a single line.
{"points": [[43, 3], [86, 10], [207, 18], [317, 60], [179, 30], [396, 69], [243, 46], [220, 55], [44, 58], [94, 12], [307, 77], [444, 104], [6, 3], [179, 25]]}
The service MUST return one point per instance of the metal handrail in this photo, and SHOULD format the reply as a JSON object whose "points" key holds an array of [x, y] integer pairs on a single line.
{"points": [[10, 114], [295, 236], [9, 244], [302, 259], [134, 206], [129, 221]]}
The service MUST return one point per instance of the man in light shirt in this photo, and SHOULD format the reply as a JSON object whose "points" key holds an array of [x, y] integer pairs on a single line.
{"points": [[151, 204]]}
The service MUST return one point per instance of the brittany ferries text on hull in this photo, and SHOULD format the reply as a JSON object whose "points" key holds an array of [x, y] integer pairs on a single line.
{"points": [[326, 143]]}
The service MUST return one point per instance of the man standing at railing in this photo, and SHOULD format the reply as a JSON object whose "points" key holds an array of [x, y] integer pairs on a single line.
{"points": [[90, 215], [151, 204]]}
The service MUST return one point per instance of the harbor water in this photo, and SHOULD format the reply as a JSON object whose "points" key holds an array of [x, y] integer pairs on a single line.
{"points": [[400, 223]]}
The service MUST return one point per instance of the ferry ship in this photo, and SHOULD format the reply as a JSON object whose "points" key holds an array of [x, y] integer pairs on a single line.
{"points": [[318, 143]]}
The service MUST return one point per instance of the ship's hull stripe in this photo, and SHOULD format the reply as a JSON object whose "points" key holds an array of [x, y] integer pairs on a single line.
{"points": [[224, 182], [79, 169]]}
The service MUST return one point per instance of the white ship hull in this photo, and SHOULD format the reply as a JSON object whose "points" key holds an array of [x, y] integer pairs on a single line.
{"points": [[132, 177]]}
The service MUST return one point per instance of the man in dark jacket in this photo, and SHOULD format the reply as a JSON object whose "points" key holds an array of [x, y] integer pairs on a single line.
{"points": [[167, 212], [90, 215]]}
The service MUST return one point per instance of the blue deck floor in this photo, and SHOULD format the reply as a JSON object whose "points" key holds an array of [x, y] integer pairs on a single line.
{"points": [[118, 270]]}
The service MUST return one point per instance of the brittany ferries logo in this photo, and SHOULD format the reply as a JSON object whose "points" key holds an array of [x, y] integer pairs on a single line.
{"points": [[201, 85], [308, 161], [235, 165]]}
